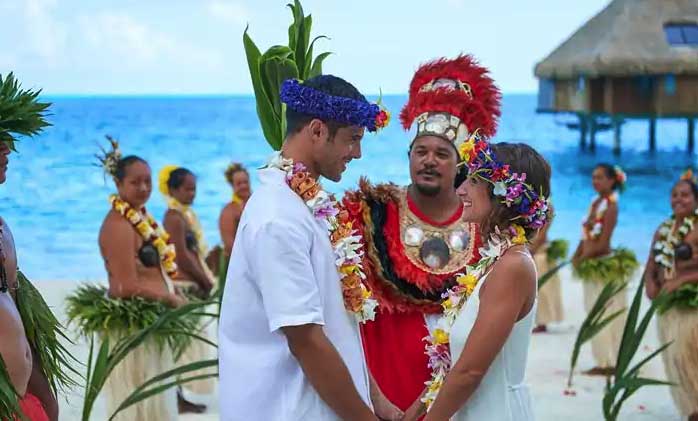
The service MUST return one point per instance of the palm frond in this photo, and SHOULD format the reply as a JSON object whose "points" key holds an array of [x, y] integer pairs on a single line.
{"points": [[44, 333], [21, 112]]}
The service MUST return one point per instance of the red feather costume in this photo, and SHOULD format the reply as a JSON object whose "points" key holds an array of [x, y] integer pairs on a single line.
{"points": [[449, 99]]}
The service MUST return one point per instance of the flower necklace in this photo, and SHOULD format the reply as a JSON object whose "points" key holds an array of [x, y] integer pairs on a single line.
{"points": [[193, 221], [347, 246], [438, 341], [597, 218], [669, 237], [149, 230]]}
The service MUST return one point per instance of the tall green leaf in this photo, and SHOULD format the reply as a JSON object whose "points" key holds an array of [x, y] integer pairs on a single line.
{"points": [[595, 321], [316, 70], [549, 274]]}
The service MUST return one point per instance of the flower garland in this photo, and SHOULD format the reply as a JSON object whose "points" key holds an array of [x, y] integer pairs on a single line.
{"points": [[347, 246], [597, 218], [438, 342], [193, 221], [669, 237], [149, 230]]}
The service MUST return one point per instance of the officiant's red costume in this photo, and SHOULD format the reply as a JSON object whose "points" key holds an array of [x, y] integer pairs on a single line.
{"points": [[409, 259]]}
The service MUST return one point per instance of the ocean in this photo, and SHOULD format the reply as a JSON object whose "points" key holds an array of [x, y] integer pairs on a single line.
{"points": [[55, 198]]}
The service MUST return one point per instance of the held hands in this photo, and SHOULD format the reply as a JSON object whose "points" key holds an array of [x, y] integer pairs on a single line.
{"points": [[384, 409]]}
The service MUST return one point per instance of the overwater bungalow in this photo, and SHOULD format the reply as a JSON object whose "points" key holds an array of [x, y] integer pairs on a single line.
{"points": [[636, 59]]}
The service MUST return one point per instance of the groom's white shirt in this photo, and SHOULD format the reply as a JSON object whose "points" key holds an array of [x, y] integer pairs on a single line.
{"points": [[281, 273]]}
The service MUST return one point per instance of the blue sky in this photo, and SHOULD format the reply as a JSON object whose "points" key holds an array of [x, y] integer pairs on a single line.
{"points": [[194, 46]]}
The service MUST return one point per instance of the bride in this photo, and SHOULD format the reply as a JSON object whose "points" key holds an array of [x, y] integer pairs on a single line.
{"points": [[478, 349]]}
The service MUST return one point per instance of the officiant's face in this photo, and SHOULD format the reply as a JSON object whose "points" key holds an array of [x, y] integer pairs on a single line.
{"points": [[475, 194], [333, 153]]}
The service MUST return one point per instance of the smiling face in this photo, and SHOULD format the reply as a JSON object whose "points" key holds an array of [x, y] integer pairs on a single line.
{"points": [[136, 185], [241, 184], [683, 199], [477, 203], [332, 154], [432, 164]]}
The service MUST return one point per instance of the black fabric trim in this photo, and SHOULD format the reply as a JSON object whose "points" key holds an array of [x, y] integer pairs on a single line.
{"points": [[378, 216]]}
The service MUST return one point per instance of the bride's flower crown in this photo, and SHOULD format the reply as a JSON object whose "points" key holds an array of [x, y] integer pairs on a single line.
{"points": [[510, 187]]}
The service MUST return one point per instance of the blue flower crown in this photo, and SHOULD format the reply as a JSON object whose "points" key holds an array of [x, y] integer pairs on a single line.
{"points": [[306, 100]]}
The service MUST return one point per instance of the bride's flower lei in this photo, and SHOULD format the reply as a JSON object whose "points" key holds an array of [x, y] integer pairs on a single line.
{"points": [[597, 217], [438, 342], [149, 230], [667, 241], [347, 246]]}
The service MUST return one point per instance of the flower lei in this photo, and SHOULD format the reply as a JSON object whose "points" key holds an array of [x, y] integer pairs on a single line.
{"points": [[347, 246], [597, 227], [438, 342], [669, 238], [149, 230], [193, 221]]}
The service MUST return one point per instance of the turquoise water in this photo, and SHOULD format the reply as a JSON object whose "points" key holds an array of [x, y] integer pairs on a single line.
{"points": [[55, 198]]}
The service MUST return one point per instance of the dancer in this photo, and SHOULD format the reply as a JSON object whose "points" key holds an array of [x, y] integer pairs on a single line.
{"points": [[594, 253], [193, 277], [673, 266], [416, 237], [550, 295]]}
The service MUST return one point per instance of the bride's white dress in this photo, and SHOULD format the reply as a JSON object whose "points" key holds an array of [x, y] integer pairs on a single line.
{"points": [[502, 395]]}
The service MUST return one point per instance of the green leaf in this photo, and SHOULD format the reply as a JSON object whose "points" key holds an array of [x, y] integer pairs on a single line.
{"points": [[265, 110], [316, 70], [21, 113], [308, 63]]}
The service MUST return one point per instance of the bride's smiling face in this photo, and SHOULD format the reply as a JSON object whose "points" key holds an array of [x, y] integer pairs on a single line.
{"points": [[475, 194]]}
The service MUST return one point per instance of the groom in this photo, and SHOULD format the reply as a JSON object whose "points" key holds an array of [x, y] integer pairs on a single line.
{"points": [[289, 347]]}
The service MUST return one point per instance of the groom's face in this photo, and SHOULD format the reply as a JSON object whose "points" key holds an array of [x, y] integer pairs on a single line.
{"points": [[334, 152]]}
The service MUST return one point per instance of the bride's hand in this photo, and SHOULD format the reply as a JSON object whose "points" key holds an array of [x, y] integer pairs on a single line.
{"points": [[385, 410], [414, 411]]}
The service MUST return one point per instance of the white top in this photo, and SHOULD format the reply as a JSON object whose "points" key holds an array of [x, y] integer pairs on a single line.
{"points": [[281, 273], [502, 395]]}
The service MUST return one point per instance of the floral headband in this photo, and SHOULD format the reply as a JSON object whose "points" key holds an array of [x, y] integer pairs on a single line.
{"points": [[689, 176], [510, 187], [621, 177], [306, 100], [109, 160]]}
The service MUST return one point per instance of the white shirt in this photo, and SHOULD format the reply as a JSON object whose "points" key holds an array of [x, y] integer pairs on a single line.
{"points": [[281, 273]]}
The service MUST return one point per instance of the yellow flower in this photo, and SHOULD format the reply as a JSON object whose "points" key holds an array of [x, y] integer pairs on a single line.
{"points": [[520, 237], [348, 269], [447, 304], [465, 148], [468, 281], [440, 337], [366, 293]]}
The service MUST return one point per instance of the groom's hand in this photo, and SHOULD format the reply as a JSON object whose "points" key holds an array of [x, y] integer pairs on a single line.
{"points": [[386, 410]]}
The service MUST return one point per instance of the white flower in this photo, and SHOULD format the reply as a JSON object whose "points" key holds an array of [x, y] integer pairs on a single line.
{"points": [[276, 160], [500, 189]]}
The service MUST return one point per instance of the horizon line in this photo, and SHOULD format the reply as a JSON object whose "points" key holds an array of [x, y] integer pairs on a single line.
{"points": [[207, 95]]}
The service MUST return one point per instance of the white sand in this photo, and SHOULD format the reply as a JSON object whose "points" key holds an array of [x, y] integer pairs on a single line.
{"points": [[547, 371]]}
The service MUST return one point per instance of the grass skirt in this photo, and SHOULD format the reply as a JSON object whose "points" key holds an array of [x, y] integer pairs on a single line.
{"points": [[550, 296], [681, 357], [143, 363]]}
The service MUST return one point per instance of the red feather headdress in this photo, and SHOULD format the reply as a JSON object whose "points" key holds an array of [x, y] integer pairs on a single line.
{"points": [[460, 88]]}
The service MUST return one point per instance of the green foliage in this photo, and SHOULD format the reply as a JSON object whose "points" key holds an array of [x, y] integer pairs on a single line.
{"points": [[557, 250], [9, 399], [44, 333], [278, 63], [618, 267], [626, 380], [595, 321], [21, 113], [94, 312], [686, 297], [101, 364]]}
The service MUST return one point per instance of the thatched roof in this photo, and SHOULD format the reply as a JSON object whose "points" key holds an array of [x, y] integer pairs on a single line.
{"points": [[626, 38]]}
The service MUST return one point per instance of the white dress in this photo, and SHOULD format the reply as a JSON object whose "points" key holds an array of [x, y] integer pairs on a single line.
{"points": [[502, 395]]}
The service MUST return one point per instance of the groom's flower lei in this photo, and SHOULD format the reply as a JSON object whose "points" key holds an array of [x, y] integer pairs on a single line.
{"points": [[347, 246]]}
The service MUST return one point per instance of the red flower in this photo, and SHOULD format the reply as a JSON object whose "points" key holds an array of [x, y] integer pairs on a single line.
{"points": [[500, 173], [382, 118]]}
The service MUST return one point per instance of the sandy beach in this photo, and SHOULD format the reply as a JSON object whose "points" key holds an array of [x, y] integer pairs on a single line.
{"points": [[547, 371]]}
